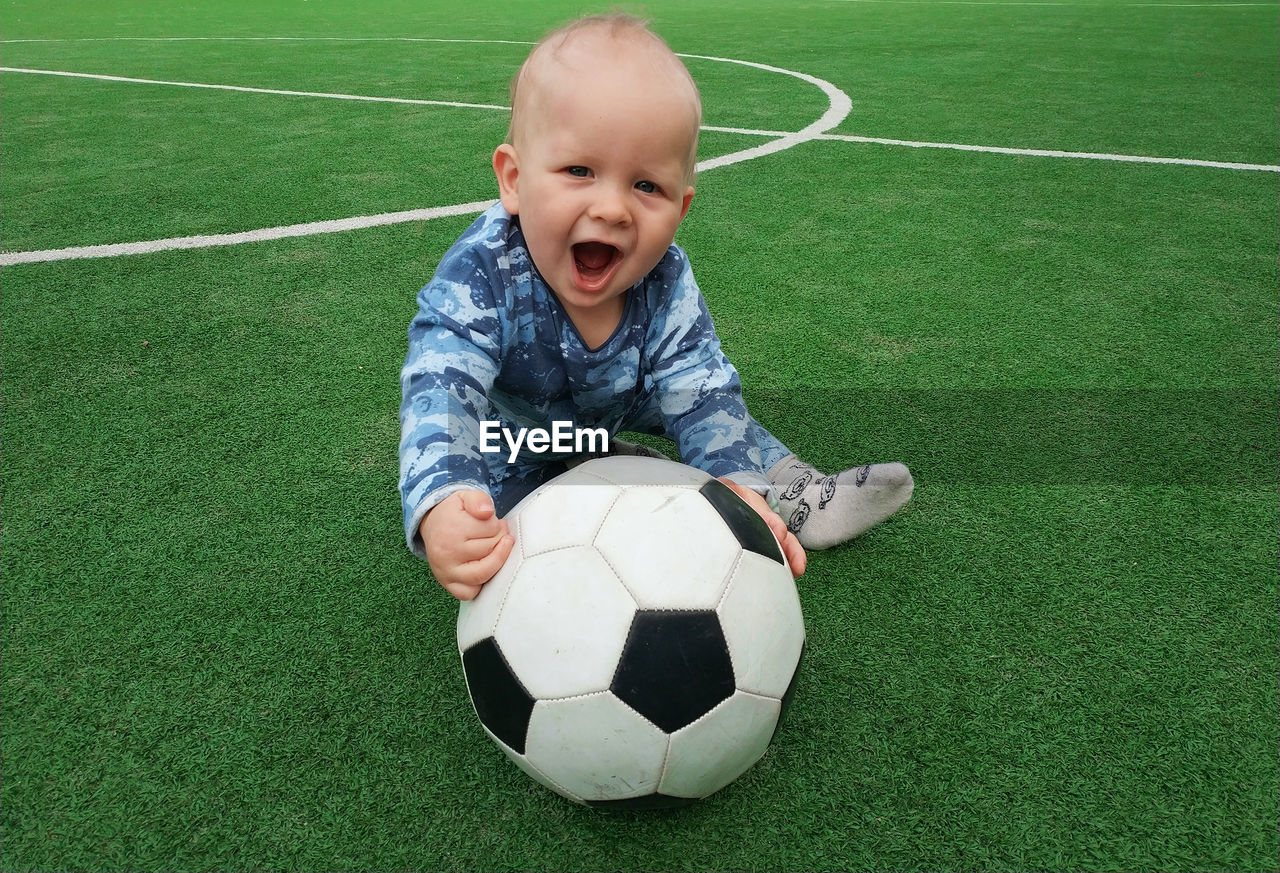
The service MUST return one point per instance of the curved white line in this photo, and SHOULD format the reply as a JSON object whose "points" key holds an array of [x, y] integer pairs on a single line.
{"points": [[839, 104], [838, 109]]}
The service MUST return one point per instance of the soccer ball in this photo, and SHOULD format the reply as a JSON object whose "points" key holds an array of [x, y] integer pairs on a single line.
{"points": [[638, 646]]}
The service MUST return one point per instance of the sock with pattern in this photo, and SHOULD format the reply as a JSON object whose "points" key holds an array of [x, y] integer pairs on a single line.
{"points": [[824, 511]]}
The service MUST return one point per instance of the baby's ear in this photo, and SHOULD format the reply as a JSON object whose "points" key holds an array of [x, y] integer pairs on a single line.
{"points": [[688, 201], [506, 168]]}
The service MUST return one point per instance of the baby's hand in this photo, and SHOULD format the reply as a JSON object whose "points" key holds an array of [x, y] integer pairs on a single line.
{"points": [[791, 547], [466, 542]]}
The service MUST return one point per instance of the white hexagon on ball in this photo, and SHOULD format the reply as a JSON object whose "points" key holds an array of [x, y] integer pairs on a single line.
{"points": [[556, 518], [564, 623], [719, 747], [763, 624], [596, 747], [671, 550]]}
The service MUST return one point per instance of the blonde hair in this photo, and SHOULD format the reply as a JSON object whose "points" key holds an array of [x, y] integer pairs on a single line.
{"points": [[616, 25]]}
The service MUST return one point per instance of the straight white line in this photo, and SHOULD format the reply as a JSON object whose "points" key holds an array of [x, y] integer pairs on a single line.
{"points": [[749, 131], [785, 138], [267, 39], [227, 239], [837, 111], [1052, 153], [1001, 150], [242, 89]]}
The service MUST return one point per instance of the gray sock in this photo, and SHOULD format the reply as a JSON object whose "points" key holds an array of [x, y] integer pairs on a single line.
{"points": [[824, 511]]}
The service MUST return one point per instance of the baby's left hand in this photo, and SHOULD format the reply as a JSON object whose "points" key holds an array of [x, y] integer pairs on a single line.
{"points": [[791, 547]]}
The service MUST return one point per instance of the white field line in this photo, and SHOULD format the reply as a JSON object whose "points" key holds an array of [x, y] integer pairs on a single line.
{"points": [[310, 228], [838, 109], [269, 39], [241, 88], [1052, 153], [1002, 150]]}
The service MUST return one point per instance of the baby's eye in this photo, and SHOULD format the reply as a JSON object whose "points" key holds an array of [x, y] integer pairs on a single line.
{"points": [[580, 172], [647, 187]]}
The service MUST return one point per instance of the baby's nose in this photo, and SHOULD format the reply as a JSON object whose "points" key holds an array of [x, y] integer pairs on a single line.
{"points": [[610, 205]]}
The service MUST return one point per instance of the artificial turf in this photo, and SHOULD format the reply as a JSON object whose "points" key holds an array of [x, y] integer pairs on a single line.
{"points": [[218, 654]]}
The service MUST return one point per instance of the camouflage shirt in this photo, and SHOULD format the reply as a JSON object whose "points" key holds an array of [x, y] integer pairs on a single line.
{"points": [[491, 342]]}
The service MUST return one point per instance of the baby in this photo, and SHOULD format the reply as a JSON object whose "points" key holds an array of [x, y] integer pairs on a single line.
{"points": [[568, 303]]}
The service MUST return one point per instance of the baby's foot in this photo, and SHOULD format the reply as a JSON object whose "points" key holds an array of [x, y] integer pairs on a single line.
{"points": [[824, 511]]}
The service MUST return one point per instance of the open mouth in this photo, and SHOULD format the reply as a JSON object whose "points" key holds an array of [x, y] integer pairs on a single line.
{"points": [[594, 263]]}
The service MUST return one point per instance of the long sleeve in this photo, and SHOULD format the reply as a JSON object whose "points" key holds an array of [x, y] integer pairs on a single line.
{"points": [[698, 389], [453, 359]]}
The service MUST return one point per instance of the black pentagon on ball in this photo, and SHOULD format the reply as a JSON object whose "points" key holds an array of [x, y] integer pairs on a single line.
{"points": [[745, 522], [500, 700], [675, 666]]}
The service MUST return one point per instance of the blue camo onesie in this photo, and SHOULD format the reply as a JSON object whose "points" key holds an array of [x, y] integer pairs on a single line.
{"points": [[491, 342]]}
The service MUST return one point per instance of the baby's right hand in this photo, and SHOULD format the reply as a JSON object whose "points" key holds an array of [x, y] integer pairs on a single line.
{"points": [[466, 542]]}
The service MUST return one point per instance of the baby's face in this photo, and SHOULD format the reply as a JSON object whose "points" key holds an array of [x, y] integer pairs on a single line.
{"points": [[602, 172]]}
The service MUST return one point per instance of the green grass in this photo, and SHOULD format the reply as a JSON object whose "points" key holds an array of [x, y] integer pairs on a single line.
{"points": [[218, 654]]}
